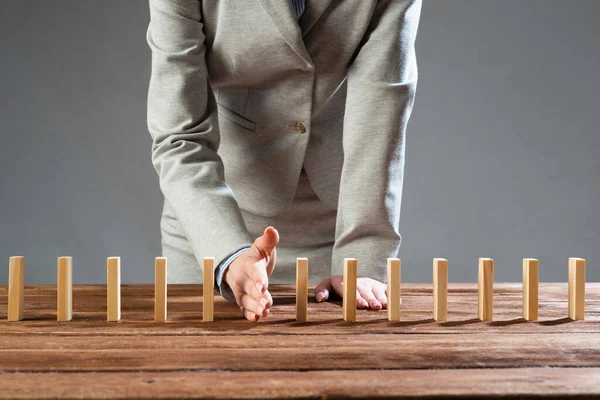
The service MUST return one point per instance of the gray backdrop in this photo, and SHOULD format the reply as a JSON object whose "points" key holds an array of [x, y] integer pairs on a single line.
{"points": [[502, 149]]}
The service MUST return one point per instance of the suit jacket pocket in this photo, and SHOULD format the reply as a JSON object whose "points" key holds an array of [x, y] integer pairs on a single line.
{"points": [[236, 118]]}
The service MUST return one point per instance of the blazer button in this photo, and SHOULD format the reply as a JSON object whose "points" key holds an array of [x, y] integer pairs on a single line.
{"points": [[299, 127]]}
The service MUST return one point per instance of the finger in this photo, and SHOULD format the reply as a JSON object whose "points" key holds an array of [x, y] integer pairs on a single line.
{"points": [[269, 299], [250, 316], [380, 295], [252, 305], [263, 245], [322, 290], [337, 285], [367, 294], [360, 301], [250, 288], [272, 262]]}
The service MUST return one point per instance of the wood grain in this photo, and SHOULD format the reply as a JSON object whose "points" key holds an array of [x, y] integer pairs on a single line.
{"points": [[512, 383], [323, 358], [304, 353]]}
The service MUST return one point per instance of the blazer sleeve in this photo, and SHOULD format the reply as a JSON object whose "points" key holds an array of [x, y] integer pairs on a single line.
{"points": [[182, 120], [382, 80]]}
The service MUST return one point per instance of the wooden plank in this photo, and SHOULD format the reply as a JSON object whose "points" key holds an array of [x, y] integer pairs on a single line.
{"points": [[160, 289], [393, 288], [486, 289], [349, 300], [113, 289], [185, 314], [525, 383], [456, 345], [208, 290], [64, 298], [304, 353], [301, 289], [440, 289], [16, 290], [576, 288], [530, 288]]}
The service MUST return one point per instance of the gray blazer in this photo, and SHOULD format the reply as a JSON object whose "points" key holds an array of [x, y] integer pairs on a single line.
{"points": [[242, 96]]}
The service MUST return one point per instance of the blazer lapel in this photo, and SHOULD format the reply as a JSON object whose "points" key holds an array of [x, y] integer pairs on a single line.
{"points": [[284, 18], [313, 11]]}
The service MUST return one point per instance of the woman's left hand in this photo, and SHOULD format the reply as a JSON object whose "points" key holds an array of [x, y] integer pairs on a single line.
{"points": [[369, 292]]}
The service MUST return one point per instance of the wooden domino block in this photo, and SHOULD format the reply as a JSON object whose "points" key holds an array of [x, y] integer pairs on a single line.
{"points": [[64, 285], [16, 288], [530, 288], [576, 288], [301, 289], [393, 288], [350, 277], [440, 289], [113, 289], [486, 289], [208, 290], [160, 289]]}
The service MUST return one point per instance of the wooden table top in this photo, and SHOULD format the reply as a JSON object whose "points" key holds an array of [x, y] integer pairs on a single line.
{"points": [[279, 357]]}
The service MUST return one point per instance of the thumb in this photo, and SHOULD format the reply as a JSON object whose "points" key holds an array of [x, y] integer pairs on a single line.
{"points": [[323, 289], [263, 245]]}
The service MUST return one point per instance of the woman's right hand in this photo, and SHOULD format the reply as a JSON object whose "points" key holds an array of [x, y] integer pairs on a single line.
{"points": [[248, 275]]}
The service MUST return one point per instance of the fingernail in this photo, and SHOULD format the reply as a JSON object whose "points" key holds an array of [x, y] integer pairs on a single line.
{"points": [[259, 311], [259, 286], [320, 296], [263, 303]]}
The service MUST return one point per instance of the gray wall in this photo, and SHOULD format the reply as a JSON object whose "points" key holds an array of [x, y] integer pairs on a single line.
{"points": [[502, 150]]}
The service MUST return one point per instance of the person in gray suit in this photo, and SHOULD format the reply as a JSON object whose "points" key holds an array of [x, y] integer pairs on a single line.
{"points": [[288, 115]]}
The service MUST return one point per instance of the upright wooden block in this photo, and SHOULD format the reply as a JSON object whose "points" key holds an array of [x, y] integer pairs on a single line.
{"points": [[113, 289], [576, 288], [440, 289], [486, 289], [350, 277], [530, 288], [301, 289], [208, 290], [64, 298], [16, 288], [393, 288], [160, 289]]}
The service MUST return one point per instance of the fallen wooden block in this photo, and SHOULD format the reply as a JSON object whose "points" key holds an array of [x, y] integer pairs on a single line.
{"points": [[160, 289], [16, 288], [64, 286], [576, 288], [208, 290], [530, 288], [393, 288], [113, 289], [301, 289], [440, 289], [486, 289], [349, 300]]}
